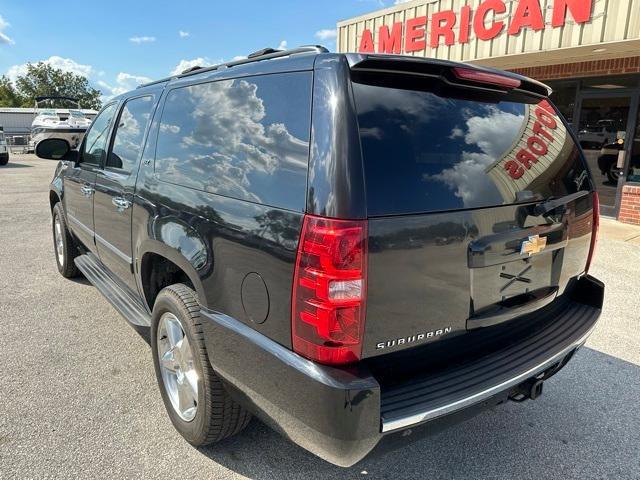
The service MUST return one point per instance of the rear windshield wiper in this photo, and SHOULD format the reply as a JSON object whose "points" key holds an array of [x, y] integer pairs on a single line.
{"points": [[543, 208]]}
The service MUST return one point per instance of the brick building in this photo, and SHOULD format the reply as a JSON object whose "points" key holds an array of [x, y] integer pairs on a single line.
{"points": [[588, 51]]}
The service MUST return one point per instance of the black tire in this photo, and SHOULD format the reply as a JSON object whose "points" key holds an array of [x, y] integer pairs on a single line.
{"points": [[66, 265], [613, 174], [217, 416], [4, 161]]}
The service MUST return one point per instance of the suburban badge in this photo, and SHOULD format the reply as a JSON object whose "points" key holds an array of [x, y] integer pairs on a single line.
{"points": [[418, 337]]}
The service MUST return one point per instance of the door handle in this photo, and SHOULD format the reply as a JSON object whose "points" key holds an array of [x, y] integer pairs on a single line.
{"points": [[86, 190], [120, 203]]}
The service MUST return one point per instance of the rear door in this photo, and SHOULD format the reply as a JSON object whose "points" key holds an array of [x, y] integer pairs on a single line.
{"points": [[79, 182], [479, 206], [114, 188]]}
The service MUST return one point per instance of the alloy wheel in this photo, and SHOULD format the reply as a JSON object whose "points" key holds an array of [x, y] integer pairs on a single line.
{"points": [[59, 242], [179, 375]]}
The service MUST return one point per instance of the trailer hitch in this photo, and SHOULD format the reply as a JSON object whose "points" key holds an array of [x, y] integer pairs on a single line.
{"points": [[530, 389]]}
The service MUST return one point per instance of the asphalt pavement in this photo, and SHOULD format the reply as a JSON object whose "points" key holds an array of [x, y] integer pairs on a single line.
{"points": [[78, 395]]}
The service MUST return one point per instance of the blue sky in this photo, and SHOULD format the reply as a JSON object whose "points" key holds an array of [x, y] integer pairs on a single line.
{"points": [[118, 43]]}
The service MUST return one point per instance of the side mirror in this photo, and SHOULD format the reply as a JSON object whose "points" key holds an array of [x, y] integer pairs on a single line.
{"points": [[56, 149]]}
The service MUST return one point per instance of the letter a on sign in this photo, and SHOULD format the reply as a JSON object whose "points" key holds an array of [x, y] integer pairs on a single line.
{"points": [[528, 14], [366, 42]]}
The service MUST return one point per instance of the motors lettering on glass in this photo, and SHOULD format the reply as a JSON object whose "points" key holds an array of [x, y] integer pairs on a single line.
{"points": [[537, 144]]}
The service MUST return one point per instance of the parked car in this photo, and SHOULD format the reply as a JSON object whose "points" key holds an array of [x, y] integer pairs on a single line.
{"points": [[600, 134], [608, 159], [4, 149], [276, 226]]}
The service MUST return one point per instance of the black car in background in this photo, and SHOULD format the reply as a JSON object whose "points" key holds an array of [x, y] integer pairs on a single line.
{"points": [[608, 161], [353, 248]]}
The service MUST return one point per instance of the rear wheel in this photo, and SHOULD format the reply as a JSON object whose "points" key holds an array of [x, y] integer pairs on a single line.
{"points": [[613, 174], [63, 244], [4, 160], [194, 397]]}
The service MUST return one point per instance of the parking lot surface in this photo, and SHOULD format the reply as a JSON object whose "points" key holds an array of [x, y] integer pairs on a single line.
{"points": [[78, 395]]}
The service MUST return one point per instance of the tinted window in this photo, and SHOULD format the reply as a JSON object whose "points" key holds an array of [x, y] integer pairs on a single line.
{"points": [[132, 125], [95, 141], [423, 152], [245, 138]]}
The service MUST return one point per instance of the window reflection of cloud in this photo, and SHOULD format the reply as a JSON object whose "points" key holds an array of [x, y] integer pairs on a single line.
{"points": [[493, 134], [227, 142], [168, 128], [127, 141]]}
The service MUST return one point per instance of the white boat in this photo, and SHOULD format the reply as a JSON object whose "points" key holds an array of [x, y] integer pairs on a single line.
{"points": [[67, 123]]}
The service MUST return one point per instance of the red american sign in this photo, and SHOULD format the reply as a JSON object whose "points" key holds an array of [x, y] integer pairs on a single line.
{"points": [[413, 35]]}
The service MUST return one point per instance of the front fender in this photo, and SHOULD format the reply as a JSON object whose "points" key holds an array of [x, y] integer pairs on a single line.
{"points": [[56, 187]]}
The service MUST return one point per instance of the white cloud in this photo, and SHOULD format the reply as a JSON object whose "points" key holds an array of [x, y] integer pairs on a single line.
{"points": [[64, 64], [185, 64], [283, 45], [140, 40], [327, 34], [124, 83], [183, 34], [493, 133], [239, 57], [456, 132], [4, 38], [398, 2]]}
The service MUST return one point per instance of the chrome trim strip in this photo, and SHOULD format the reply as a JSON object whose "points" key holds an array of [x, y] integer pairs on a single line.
{"points": [[82, 226], [483, 395], [114, 249]]}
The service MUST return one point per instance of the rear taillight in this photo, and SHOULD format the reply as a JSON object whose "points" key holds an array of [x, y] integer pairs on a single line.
{"points": [[329, 290], [594, 234], [485, 77]]}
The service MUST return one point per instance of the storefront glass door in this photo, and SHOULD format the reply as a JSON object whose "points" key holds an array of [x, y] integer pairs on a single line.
{"points": [[603, 123], [634, 160]]}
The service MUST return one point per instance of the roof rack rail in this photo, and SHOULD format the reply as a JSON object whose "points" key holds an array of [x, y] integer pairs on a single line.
{"points": [[264, 54], [191, 69], [264, 51]]}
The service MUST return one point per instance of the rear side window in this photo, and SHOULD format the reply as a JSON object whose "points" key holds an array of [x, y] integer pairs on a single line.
{"points": [[423, 152], [245, 138], [132, 125]]}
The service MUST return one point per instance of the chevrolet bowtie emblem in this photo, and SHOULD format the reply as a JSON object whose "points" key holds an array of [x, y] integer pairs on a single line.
{"points": [[535, 244]]}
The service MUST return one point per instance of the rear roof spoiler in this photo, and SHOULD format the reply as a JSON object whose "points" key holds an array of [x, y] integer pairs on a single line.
{"points": [[403, 64]]}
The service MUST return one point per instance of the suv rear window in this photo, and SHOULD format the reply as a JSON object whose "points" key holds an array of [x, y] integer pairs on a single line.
{"points": [[424, 152]]}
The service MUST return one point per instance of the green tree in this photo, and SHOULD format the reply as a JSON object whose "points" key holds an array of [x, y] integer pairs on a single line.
{"points": [[42, 79], [9, 97]]}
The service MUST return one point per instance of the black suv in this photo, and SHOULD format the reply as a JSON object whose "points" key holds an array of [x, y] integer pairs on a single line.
{"points": [[346, 246]]}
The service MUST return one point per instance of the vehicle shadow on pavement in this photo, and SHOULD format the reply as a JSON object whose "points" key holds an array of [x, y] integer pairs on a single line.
{"points": [[585, 425], [80, 280], [11, 165]]}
